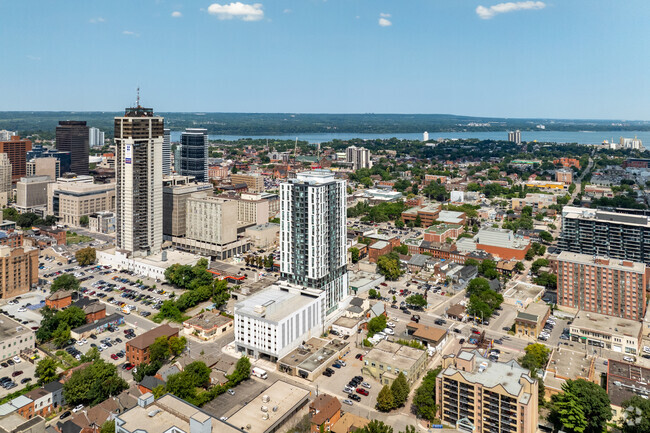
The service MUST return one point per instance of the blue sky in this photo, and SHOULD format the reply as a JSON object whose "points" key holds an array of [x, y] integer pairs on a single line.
{"points": [[559, 58]]}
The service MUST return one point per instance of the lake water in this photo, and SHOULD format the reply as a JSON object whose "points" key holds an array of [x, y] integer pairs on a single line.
{"points": [[580, 137]]}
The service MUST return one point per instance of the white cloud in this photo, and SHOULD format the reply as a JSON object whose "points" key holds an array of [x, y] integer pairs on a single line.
{"points": [[130, 33], [176, 14], [384, 15], [237, 10], [287, 11], [486, 13], [384, 22], [96, 20]]}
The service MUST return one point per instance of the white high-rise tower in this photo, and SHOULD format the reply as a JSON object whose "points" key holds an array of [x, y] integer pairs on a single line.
{"points": [[139, 168], [167, 153], [425, 136], [313, 234]]}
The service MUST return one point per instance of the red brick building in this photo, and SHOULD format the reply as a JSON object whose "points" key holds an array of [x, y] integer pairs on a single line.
{"points": [[137, 350], [16, 149], [428, 214], [60, 299], [13, 239], [378, 249], [58, 235], [324, 412], [568, 162]]}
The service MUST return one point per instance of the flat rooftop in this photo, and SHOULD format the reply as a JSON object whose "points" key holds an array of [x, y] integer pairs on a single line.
{"points": [[533, 312], [280, 400], [9, 328], [166, 412], [602, 262], [625, 380], [607, 324], [451, 216], [441, 228], [208, 320], [272, 303], [395, 354], [507, 374], [605, 216]]}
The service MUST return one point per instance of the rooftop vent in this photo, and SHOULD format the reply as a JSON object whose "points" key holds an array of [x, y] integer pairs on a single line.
{"points": [[153, 413]]}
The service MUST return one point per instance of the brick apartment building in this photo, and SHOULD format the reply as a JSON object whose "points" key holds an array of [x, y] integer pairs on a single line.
{"points": [[13, 239], [137, 349], [59, 299], [442, 232], [18, 270], [602, 285], [567, 162], [324, 412], [428, 214], [16, 149]]}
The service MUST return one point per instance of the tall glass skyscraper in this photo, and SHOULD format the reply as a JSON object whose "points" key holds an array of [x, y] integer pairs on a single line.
{"points": [[193, 154], [73, 136], [313, 234]]}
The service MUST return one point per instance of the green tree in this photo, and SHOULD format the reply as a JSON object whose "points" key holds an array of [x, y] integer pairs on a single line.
{"points": [[546, 236], [488, 269], [424, 400], [220, 292], [10, 214], [180, 386], [72, 316], [388, 266], [539, 263], [375, 426], [93, 384], [402, 249], [385, 399], [177, 345], [108, 427], [418, 221], [547, 280], [376, 324], [84, 220], [198, 373], [354, 254], [400, 390], [399, 223], [536, 356], [242, 370], [86, 256], [471, 262], [587, 396], [636, 415], [64, 282], [46, 371], [530, 254], [520, 267], [159, 391], [61, 335], [477, 285], [374, 294], [159, 349], [570, 414], [416, 300]]}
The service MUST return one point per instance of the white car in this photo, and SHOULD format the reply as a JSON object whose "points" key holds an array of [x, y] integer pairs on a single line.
{"points": [[390, 324], [348, 401], [17, 359], [389, 331], [628, 358], [80, 342], [646, 349], [78, 408], [381, 335], [22, 309], [103, 347]]}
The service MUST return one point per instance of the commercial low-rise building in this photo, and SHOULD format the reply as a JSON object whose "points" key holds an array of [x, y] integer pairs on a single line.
{"points": [[69, 201], [428, 214], [263, 235], [442, 232], [387, 360], [535, 201], [254, 182], [530, 322], [208, 325], [475, 394], [14, 338], [612, 333], [102, 222]]}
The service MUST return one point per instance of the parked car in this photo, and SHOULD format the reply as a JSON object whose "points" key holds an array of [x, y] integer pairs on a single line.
{"points": [[362, 391], [78, 408], [348, 402], [65, 414]]}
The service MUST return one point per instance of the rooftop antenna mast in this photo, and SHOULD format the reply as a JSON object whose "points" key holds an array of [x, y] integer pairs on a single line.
{"points": [[137, 103]]}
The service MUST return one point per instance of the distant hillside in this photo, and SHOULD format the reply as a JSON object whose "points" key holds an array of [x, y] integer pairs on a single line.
{"points": [[44, 123]]}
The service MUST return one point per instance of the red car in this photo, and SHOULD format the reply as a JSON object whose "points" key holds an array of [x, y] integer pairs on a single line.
{"points": [[362, 391], [16, 373], [130, 367], [113, 356]]}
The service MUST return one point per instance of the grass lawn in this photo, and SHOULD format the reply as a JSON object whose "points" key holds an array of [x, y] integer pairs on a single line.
{"points": [[74, 238]]}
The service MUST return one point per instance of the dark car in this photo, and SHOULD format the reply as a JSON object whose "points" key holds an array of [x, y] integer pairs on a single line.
{"points": [[16, 373], [25, 380], [327, 374], [462, 341], [354, 397], [65, 414]]}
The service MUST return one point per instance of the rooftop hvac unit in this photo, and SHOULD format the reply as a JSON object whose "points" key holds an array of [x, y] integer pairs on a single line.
{"points": [[266, 398], [265, 409], [265, 416]]}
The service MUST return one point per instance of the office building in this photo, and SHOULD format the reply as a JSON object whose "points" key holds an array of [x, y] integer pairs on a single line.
{"points": [[16, 338], [501, 243], [535, 201], [475, 394], [602, 233], [102, 222], [69, 201], [31, 192], [176, 191], [514, 136], [211, 219], [193, 154], [48, 166], [5, 179], [6, 135], [428, 214], [273, 322], [359, 157], [16, 149], [167, 152], [138, 167], [608, 286], [95, 137], [313, 234], [65, 160], [73, 136], [18, 270], [169, 414], [254, 182], [137, 349]]}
